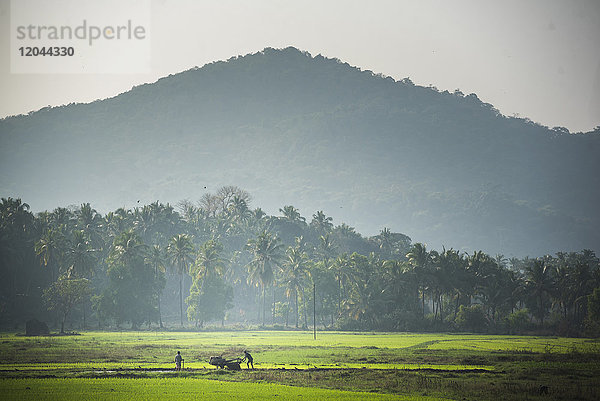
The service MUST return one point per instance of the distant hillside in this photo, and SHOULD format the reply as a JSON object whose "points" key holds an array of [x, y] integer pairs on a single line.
{"points": [[319, 134]]}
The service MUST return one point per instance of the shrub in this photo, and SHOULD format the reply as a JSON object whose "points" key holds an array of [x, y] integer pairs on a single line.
{"points": [[471, 318], [519, 321], [348, 324]]}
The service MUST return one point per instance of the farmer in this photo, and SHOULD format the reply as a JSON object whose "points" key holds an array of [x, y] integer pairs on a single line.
{"points": [[249, 360], [178, 360]]}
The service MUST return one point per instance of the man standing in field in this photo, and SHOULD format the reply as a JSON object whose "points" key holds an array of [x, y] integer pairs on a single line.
{"points": [[178, 360], [249, 360]]}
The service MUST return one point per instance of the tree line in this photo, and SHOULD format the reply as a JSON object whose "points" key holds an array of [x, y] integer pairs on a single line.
{"points": [[219, 261]]}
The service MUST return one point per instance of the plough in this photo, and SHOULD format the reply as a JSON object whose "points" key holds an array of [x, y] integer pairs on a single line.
{"points": [[231, 364]]}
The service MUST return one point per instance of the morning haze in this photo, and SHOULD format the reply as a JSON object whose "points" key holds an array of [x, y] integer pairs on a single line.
{"points": [[293, 128], [320, 214]]}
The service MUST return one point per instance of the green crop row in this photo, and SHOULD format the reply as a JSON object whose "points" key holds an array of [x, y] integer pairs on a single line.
{"points": [[172, 389]]}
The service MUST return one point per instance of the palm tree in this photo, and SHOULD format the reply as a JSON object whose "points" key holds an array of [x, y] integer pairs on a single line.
{"points": [[209, 260], [47, 248], [365, 303], [321, 223], [344, 274], [538, 281], [291, 214], [156, 259], [258, 214], [81, 259], [90, 222], [420, 260], [295, 268], [326, 249], [118, 222], [143, 222], [127, 249], [80, 256], [497, 290], [459, 280], [501, 260], [63, 219], [582, 281], [15, 213], [479, 266], [16, 240], [180, 252], [132, 281], [266, 256], [385, 241], [238, 210], [442, 274], [395, 281]]}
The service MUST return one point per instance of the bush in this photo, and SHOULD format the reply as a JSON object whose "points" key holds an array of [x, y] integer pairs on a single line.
{"points": [[519, 321], [400, 320], [471, 318], [348, 324], [592, 321]]}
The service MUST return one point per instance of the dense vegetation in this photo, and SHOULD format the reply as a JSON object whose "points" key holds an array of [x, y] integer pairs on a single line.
{"points": [[291, 128], [220, 261]]}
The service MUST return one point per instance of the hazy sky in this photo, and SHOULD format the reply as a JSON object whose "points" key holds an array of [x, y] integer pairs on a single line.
{"points": [[538, 59]]}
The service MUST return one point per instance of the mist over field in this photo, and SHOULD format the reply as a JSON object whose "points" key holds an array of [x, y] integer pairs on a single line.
{"points": [[297, 129]]}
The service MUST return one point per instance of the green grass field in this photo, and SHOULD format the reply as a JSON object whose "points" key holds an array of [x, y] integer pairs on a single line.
{"points": [[174, 388], [291, 364]]}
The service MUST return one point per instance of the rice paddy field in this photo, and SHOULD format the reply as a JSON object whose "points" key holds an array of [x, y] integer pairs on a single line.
{"points": [[292, 365]]}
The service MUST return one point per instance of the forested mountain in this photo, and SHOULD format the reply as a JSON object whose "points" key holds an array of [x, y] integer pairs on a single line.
{"points": [[318, 134]]}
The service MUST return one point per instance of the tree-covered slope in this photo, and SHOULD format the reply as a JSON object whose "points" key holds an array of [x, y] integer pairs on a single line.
{"points": [[290, 128]]}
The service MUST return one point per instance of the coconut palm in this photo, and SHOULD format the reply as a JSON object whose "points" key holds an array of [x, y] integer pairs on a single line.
{"points": [[63, 219], [48, 248], [80, 256], [156, 259], [538, 280], [266, 256], [396, 282], [209, 261], [180, 252], [132, 282], [385, 241], [420, 260], [295, 273], [117, 222], [143, 222], [345, 275], [16, 243], [479, 266], [326, 249], [321, 223], [258, 214], [442, 274], [365, 302], [291, 214], [90, 222], [128, 249], [238, 210]]}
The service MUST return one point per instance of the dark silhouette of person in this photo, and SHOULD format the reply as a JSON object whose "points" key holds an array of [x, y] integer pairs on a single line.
{"points": [[249, 360]]}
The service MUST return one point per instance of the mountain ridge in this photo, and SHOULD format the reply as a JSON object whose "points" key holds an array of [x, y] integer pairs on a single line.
{"points": [[317, 133]]}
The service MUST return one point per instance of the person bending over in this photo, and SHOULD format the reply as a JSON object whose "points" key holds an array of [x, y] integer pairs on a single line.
{"points": [[249, 360]]}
